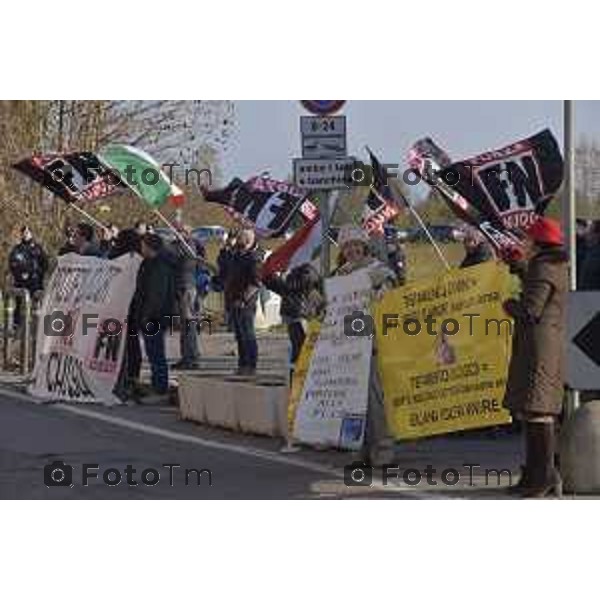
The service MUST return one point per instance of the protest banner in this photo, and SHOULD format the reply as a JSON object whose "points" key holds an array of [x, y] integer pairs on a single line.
{"points": [[332, 407], [301, 370], [443, 348], [82, 328]]}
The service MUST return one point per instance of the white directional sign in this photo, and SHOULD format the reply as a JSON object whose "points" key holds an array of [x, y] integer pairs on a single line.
{"points": [[323, 137], [323, 174], [583, 337]]}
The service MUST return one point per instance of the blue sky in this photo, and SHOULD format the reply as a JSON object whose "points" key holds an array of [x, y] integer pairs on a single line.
{"points": [[267, 134]]}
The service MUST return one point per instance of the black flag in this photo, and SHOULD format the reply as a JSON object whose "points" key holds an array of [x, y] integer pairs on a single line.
{"points": [[72, 176], [512, 184], [267, 204]]}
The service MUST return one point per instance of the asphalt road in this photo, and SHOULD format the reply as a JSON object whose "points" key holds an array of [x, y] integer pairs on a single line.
{"points": [[33, 436]]}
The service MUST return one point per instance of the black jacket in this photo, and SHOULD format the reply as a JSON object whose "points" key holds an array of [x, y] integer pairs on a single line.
{"points": [[154, 296], [301, 293], [187, 265], [242, 283], [28, 264], [589, 277], [223, 259], [478, 255]]}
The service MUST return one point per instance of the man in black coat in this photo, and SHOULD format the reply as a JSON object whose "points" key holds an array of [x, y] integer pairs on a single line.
{"points": [[588, 278], [28, 264], [241, 289], [85, 242], [152, 307]]}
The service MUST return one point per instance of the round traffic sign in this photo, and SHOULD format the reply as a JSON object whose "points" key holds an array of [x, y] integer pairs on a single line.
{"points": [[322, 107]]}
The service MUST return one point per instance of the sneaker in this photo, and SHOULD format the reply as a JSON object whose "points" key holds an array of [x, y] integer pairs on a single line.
{"points": [[245, 372]]}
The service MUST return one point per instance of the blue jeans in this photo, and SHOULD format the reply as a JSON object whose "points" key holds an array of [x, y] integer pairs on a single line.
{"points": [[188, 340], [242, 321], [156, 353]]}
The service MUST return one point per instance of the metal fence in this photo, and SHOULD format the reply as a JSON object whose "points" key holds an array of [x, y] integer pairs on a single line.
{"points": [[20, 314]]}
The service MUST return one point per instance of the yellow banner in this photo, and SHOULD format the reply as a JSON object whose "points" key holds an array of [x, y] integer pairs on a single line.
{"points": [[443, 348]]}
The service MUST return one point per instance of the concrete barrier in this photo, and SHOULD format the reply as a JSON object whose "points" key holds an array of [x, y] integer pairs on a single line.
{"points": [[257, 406]]}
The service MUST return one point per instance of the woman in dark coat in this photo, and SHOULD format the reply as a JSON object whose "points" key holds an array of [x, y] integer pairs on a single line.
{"points": [[534, 391], [301, 300]]}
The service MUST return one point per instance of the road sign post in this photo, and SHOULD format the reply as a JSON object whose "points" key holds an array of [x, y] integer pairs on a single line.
{"points": [[569, 215], [324, 167]]}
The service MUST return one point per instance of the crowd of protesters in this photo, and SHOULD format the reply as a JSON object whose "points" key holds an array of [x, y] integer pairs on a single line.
{"points": [[174, 275]]}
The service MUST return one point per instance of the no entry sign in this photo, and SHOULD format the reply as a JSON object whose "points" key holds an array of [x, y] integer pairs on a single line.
{"points": [[322, 107]]}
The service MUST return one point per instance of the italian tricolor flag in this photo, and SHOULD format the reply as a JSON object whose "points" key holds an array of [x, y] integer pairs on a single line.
{"points": [[146, 178], [299, 249]]}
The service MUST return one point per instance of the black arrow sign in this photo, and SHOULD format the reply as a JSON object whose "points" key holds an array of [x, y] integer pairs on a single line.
{"points": [[588, 339]]}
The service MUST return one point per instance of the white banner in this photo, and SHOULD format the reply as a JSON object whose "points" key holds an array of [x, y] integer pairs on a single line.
{"points": [[333, 404], [82, 328]]}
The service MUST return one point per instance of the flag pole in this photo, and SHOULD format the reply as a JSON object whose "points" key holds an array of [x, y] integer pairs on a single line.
{"points": [[569, 216], [88, 216], [175, 231], [421, 223]]}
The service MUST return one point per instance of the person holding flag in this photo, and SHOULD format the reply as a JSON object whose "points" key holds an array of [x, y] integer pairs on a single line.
{"points": [[241, 290], [534, 390], [301, 292], [353, 243]]}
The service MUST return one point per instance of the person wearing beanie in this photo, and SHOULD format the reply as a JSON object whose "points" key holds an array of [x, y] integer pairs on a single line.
{"points": [[534, 390], [353, 242]]}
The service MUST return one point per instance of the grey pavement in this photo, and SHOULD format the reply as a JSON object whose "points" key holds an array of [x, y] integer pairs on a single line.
{"points": [[241, 467]]}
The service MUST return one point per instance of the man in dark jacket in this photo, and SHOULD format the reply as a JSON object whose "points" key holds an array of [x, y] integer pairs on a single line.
{"points": [[223, 260], [188, 302], [588, 277], [85, 241], [152, 306], [128, 241], [242, 286], [477, 250], [534, 390], [28, 264]]}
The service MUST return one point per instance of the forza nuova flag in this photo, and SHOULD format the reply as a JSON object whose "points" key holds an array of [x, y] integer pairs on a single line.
{"points": [[72, 176], [140, 172], [266, 204], [380, 206], [431, 162], [512, 184]]}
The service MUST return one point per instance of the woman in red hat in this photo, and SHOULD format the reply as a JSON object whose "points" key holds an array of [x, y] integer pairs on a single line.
{"points": [[534, 391]]}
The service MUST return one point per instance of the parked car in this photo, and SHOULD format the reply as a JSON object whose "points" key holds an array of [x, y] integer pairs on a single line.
{"points": [[210, 233]]}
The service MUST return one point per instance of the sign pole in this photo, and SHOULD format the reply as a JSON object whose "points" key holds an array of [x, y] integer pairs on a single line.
{"points": [[327, 204], [569, 215]]}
